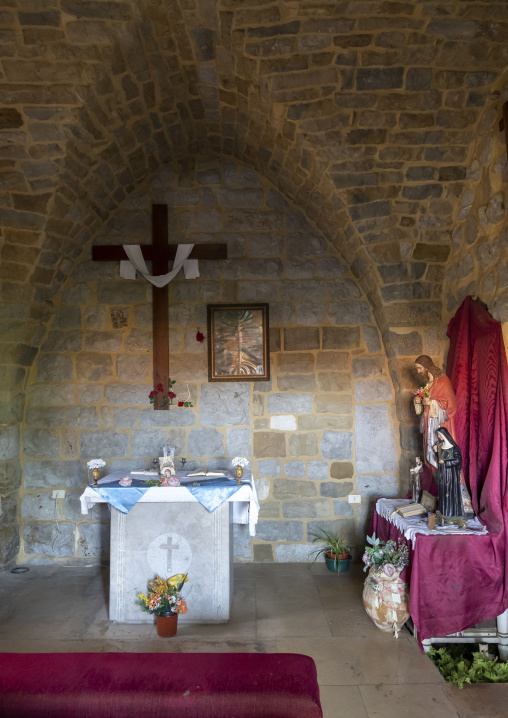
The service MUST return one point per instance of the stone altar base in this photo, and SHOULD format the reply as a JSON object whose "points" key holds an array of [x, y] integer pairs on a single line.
{"points": [[165, 539]]}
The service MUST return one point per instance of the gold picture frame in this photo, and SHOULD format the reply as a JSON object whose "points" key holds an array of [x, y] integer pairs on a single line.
{"points": [[238, 348]]}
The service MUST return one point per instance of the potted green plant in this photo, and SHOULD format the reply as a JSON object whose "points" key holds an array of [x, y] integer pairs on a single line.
{"points": [[336, 551]]}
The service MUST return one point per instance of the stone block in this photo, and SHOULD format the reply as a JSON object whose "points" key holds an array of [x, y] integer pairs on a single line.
{"points": [[371, 391], [285, 422], [63, 342], [406, 344], [340, 313], [324, 421], [45, 417], [270, 510], [306, 509], [303, 445], [279, 531], [263, 553], [49, 539], [317, 470], [94, 367], [375, 448], [282, 313], [301, 338], [269, 468], [225, 404], [335, 489], [242, 541], [375, 486], [332, 361], [269, 444], [333, 403], [41, 443], [431, 252], [118, 394], [71, 508], [82, 417], [263, 488], [345, 528], [286, 489], [9, 543], [310, 313], [95, 317], [67, 318], [103, 341], [264, 245], [305, 245], [258, 405], [300, 269], [293, 553], [134, 367], [343, 508], [125, 418], [296, 382], [238, 442], [51, 394], [102, 444], [126, 293], [53, 474], [341, 337], [413, 314], [296, 289], [9, 443], [93, 539], [40, 507], [337, 445], [54, 367], [343, 289], [139, 341], [205, 442], [295, 363], [289, 404], [129, 465], [333, 381], [147, 442]]}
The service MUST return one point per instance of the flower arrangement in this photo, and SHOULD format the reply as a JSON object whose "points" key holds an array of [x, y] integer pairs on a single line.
{"points": [[240, 461], [167, 397], [164, 595], [389, 556], [95, 464], [423, 392]]}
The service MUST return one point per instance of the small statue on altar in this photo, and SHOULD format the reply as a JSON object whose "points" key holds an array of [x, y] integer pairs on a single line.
{"points": [[449, 460], [416, 481]]}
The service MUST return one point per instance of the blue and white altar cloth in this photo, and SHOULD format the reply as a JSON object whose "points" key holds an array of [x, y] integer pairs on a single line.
{"points": [[211, 493]]}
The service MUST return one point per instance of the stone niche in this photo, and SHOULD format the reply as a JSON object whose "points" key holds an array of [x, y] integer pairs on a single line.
{"points": [[321, 429]]}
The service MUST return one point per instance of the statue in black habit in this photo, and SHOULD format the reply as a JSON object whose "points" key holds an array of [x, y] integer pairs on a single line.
{"points": [[449, 459]]}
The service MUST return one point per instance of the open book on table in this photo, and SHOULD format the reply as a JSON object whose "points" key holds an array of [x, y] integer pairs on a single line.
{"points": [[428, 504]]}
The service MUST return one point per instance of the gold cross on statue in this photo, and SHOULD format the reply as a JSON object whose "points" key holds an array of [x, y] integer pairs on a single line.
{"points": [[160, 252]]}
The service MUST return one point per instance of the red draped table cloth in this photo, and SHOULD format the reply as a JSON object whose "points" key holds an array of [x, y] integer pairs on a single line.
{"points": [[453, 579]]}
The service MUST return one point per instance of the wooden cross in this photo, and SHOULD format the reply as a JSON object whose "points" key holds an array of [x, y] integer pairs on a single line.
{"points": [[503, 123], [159, 252]]}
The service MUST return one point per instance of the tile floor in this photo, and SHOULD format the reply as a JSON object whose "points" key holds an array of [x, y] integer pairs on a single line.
{"points": [[300, 608]]}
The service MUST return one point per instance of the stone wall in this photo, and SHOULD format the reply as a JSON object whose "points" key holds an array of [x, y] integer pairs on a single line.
{"points": [[478, 265], [322, 428]]}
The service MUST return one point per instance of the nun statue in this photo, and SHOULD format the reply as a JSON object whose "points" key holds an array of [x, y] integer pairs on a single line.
{"points": [[449, 460]]}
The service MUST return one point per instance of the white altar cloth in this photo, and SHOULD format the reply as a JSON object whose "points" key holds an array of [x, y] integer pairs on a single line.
{"points": [[413, 525], [245, 500]]}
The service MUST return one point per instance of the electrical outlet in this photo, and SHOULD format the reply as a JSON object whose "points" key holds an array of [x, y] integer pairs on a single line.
{"points": [[354, 499], [58, 494]]}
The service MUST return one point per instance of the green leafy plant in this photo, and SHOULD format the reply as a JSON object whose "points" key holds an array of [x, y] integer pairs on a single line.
{"points": [[333, 544], [388, 555], [459, 665]]}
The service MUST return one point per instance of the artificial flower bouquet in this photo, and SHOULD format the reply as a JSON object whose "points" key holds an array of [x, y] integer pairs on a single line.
{"points": [[164, 595], [388, 557], [167, 396]]}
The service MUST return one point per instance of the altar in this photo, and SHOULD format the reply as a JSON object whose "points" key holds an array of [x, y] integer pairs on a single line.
{"points": [[167, 531]]}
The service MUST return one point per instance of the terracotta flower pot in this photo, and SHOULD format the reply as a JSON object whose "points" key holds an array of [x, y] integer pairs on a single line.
{"points": [[167, 624]]}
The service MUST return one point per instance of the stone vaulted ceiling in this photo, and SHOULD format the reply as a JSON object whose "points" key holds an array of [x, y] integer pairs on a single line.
{"points": [[362, 113]]}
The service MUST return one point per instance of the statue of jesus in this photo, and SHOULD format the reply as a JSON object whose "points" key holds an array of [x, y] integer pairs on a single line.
{"points": [[439, 406], [437, 399]]}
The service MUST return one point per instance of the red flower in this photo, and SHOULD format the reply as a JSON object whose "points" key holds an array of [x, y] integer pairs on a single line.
{"points": [[180, 403], [200, 337], [421, 393], [152, 394], [159, 387], [171, 394]]}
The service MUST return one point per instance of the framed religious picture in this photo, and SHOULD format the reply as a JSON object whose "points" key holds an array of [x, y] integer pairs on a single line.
{"points": [[238, 342]]}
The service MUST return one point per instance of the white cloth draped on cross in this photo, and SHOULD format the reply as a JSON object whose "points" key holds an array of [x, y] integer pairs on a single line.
{"points": [[137, 261]]}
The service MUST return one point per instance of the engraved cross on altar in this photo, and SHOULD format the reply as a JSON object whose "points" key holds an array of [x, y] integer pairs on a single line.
{"points": [[170, 548], [160, 252]]}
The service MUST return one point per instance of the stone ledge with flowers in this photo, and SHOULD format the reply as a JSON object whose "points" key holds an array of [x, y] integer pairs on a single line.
{"points": [[385, 595]]}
